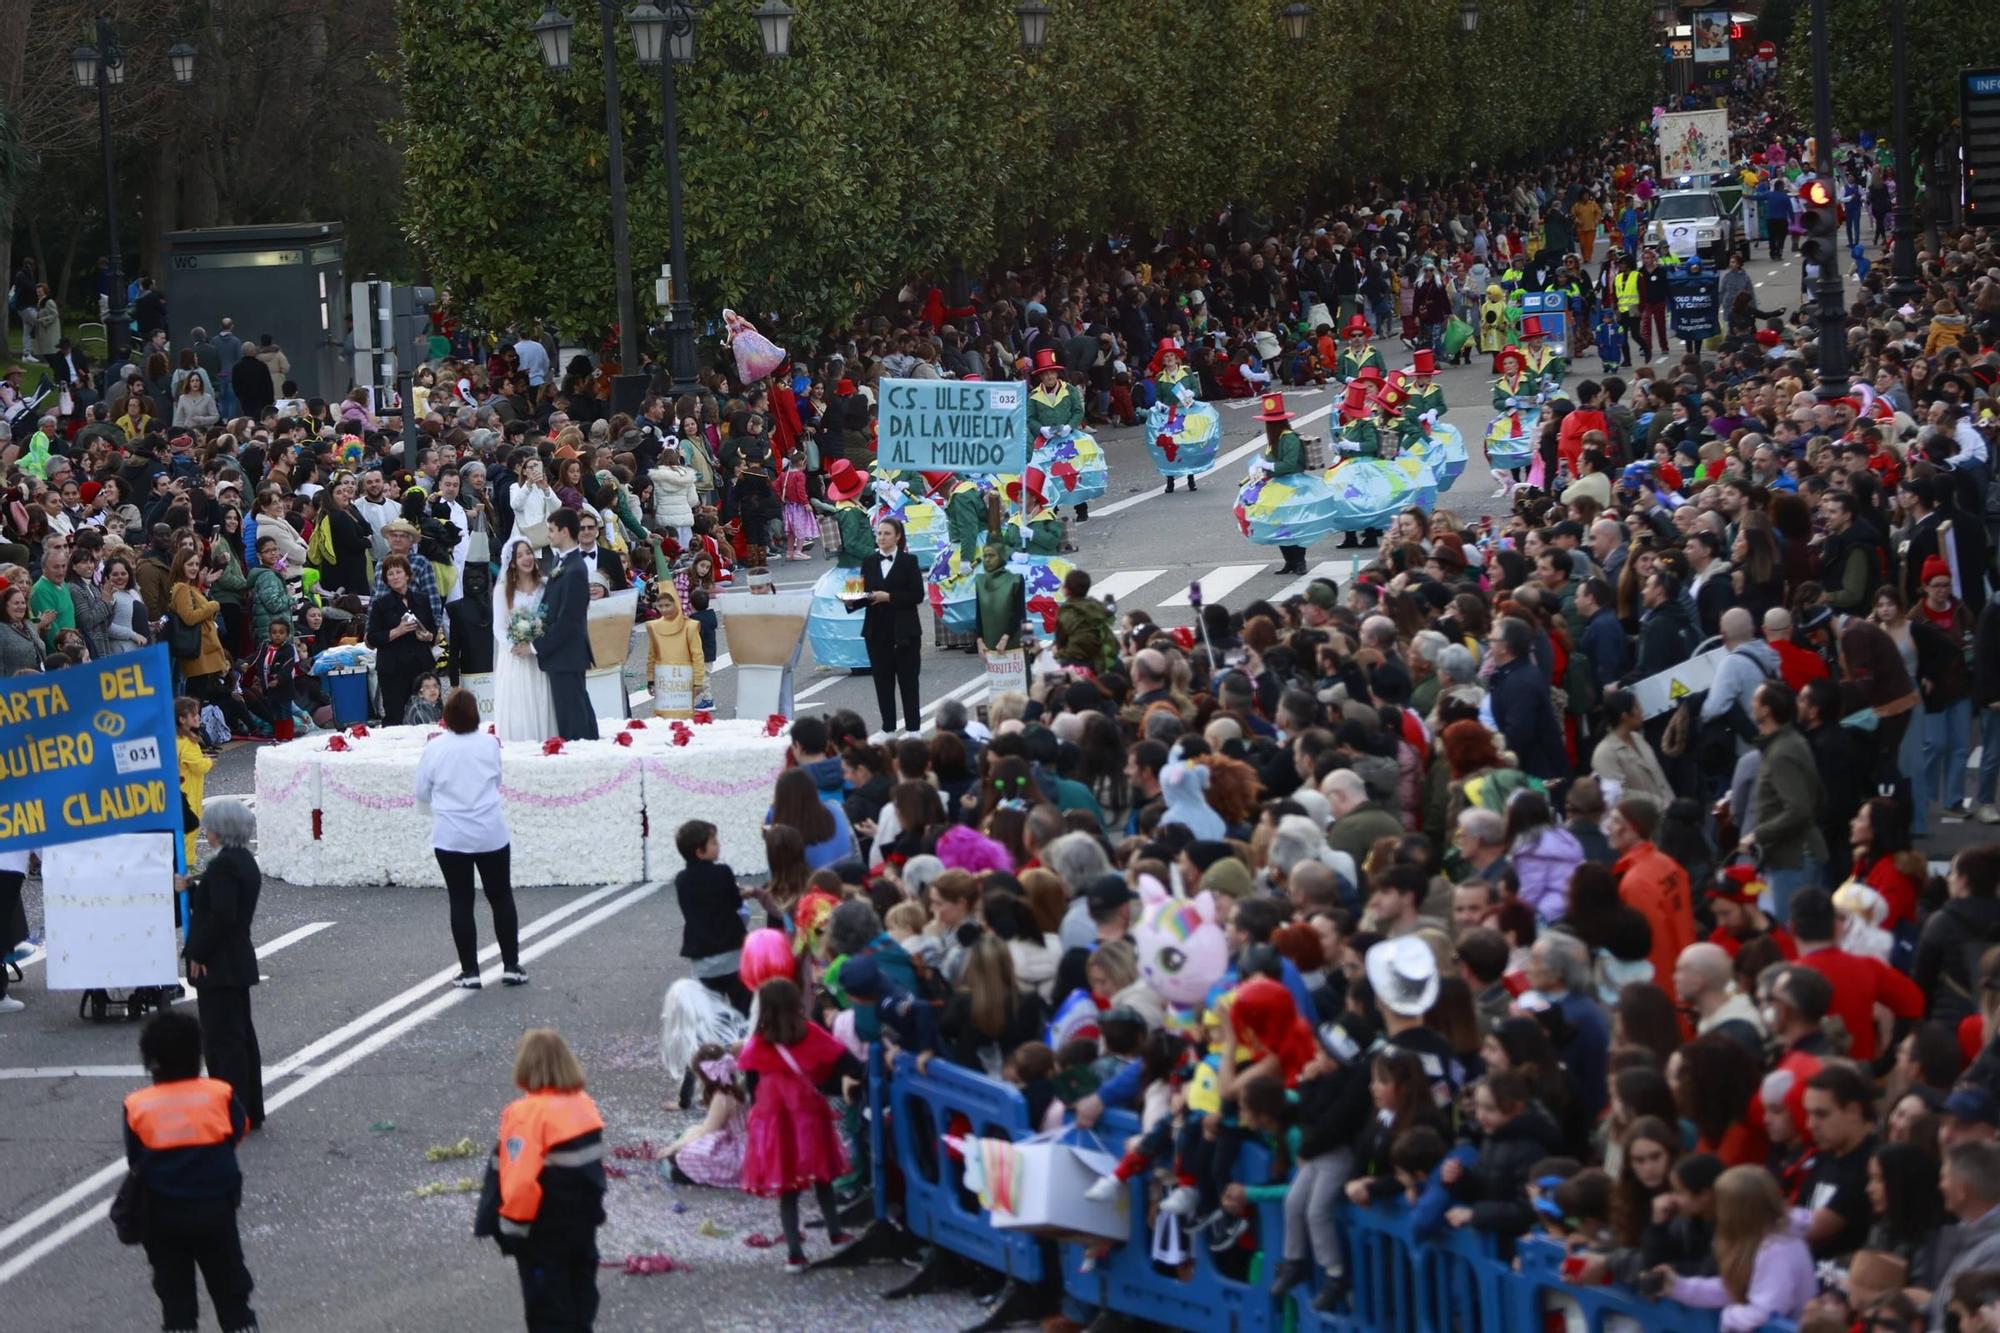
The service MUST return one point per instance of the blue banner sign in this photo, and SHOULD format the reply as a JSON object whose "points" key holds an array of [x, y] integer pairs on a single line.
{"points": [[88, 751], [953, 426]]}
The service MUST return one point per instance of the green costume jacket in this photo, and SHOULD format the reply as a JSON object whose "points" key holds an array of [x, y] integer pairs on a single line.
{"points": [[1363, 438], [1427, 399], [857, 534], [1165, 385], [1064, 409], [1044, 536], [1550, 367], [1352, 363], [1287, 456], [965, 520], [1522, 386], [1001, 600]]}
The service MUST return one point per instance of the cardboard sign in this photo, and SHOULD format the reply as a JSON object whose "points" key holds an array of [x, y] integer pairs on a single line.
{"points": [[1692, 309], [1007, 671], [1661, 693], [963, 426], [109, 909], [673, 688], [1693, 143]]}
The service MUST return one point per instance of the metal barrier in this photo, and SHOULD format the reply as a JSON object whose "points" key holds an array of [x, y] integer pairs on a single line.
{"points": [[1456, 1281]]}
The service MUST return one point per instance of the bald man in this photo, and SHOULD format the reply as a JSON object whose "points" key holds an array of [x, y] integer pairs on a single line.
{"points": [[1704, 980], [1750, 663], [1797, 664], [1149, 678]]}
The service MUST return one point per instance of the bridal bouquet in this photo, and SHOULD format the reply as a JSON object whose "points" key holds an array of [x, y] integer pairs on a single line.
{"points": [[524, 625]]}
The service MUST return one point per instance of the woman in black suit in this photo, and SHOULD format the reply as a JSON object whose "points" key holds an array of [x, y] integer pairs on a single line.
{"points": [[893, 589], [401, 633], [221, 961]]}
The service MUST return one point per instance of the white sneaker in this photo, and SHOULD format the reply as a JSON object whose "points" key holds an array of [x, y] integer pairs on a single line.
{"points": [[10, 1005], [1502, 493], [1988, 814], [1104, 1189], [1181, 1202]]}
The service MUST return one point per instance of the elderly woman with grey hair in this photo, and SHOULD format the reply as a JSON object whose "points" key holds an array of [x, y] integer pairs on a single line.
{"points": [[1077, 859], [221, 961]]}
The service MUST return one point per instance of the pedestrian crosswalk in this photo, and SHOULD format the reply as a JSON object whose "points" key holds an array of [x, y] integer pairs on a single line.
{"points": [[1120, 584], [1217, 584], [1337, 570]]}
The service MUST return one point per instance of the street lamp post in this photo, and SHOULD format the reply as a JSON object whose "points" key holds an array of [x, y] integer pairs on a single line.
{"points": [[1831, 295], [97, 67], [1903, 285], [664, 38]]}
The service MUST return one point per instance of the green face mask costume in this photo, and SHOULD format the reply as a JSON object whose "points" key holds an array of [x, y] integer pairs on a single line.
{"points": [[998, 593]]}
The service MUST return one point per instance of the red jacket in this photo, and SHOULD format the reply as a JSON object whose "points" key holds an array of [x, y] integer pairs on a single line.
{"points": [[1569, 442], [1859, 984], [1781, 937], [1656, 886], [1798, 665]]}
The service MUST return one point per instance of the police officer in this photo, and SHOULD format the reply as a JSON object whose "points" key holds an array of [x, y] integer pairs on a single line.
{"points": [[180, 1141]]}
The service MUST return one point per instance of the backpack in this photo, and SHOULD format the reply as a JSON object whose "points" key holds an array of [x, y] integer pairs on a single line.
{"points": [[1580, 683], [214, 729]]}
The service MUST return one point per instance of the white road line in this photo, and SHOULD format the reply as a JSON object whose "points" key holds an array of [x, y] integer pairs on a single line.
{"points": [[95, 1214], [75, 1071], [1240, 451], [820, 688], [285, 941], [1217, 584], [1121, 583], [1325, 569]]}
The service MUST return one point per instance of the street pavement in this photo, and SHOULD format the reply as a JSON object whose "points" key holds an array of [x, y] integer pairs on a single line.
{"points": [[372, 1059]]}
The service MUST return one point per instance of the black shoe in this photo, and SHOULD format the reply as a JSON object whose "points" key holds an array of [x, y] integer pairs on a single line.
{"points": [[1191, 485], [514, 976], [466, 981], [1348, 542], [1083, 513], [1332, 1294], [1290, 1273], [1170, 485]]}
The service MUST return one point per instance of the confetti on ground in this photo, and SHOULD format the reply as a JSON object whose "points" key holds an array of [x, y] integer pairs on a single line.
{"points": [[616, 1172], [451, 1152], [382, 1127], [645, 1265], [680, 1207], [757, 1240], [713, 1229], [464, 1185], [643, 1150]]}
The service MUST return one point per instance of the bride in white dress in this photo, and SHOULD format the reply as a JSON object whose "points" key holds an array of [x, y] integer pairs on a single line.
{"points": [[522, 708]]}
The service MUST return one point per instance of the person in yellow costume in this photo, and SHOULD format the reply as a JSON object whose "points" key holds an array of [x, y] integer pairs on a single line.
{"points": [[193, 764], [673, 645]]}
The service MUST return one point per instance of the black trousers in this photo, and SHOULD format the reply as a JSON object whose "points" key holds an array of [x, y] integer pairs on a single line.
{"points": [[1295, 556], [895, 665], [229, 1044], [558, 1285], [183, 1235], [494, 870], [576, 717], [10, 912], [397, 680]]}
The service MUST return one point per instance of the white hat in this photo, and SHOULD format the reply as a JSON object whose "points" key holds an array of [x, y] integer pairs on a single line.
{"points": [[1403, 973]]}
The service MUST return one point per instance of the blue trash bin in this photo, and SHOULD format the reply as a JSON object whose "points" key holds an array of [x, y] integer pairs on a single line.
{"points": [[349, 692]]}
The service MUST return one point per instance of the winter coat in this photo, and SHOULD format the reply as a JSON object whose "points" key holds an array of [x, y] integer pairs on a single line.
{"points": [[1543, 862], [1499, 1182], [1946, 967], [674, 495]]}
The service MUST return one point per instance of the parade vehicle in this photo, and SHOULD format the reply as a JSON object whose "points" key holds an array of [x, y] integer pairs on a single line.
{"points": [[1696, 224]]}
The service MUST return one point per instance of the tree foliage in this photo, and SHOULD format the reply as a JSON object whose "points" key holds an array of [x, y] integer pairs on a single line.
{"points": [[1942, 37], [906, 136]]}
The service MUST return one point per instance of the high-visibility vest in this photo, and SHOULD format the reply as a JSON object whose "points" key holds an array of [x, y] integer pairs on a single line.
{"points": [[531, 1130], [1626, 285], [182, 1113]]}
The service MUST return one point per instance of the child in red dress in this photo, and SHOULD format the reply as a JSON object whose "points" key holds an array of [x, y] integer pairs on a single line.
{"points": [[794, 1140]]}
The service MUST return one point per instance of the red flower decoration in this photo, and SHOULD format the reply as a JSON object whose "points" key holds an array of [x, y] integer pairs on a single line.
{"points": [[491, 730], [683, 737], [634, 724], [775, 724], [336, 742], [357, 729], [702, 717], [622, 738], [553, 745]]}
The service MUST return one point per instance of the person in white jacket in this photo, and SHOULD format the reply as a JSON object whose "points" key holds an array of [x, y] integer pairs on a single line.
{"points": [[533, 500], [674, 485]]}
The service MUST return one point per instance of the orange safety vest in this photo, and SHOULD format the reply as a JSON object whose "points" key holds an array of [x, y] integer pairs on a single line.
{"points": [[185, 1113], [530, 1128]]}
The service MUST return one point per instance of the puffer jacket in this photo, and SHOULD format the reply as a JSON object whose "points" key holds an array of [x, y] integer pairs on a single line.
{"points": [[1499, 1180], [1543, 862], [674, 495]]}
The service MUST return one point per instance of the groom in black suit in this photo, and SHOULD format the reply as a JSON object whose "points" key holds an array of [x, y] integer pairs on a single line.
{"points": [[563, 650]]}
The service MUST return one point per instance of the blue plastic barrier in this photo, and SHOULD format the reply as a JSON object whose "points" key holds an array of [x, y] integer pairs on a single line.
{"points": [[936, 1205], [1455, 1282], [1126, 1279]]}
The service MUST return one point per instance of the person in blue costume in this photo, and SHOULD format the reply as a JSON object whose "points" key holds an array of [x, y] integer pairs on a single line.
{"points": [[1510, 439], [1182, 431], [1062, 448], [1285, 452], [835, 635]]}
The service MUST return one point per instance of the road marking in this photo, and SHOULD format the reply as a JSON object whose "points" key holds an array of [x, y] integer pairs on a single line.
{"points": [[319, 1074], [1241, 451], [978, 682], [285, 941], [75, 1071], [1325, 569], [1122, 583], [1217, 584], [810, 690]]}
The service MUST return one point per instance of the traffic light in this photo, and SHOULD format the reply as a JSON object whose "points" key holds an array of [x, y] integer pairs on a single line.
{"points": [[1822, 213], [410, 308]]}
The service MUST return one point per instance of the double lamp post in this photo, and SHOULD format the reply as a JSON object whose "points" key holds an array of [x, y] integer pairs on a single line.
{"points": [[100, 67], [662, 39]]}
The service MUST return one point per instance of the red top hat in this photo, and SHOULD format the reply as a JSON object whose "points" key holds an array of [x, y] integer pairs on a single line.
{"points": [[1167, 345], [1394, 396], [937, 481], [1531, 327], [1274, 408], [1356, 327], [844, 388], [1045, 360], [1369, 375], [1425, 362], [1036, 483], [1356, 405], [1739, 884], [1509, 358], [843, 480]]}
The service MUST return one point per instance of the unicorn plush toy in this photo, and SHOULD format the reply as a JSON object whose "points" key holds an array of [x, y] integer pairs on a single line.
{"points": [[1182, 952]]}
